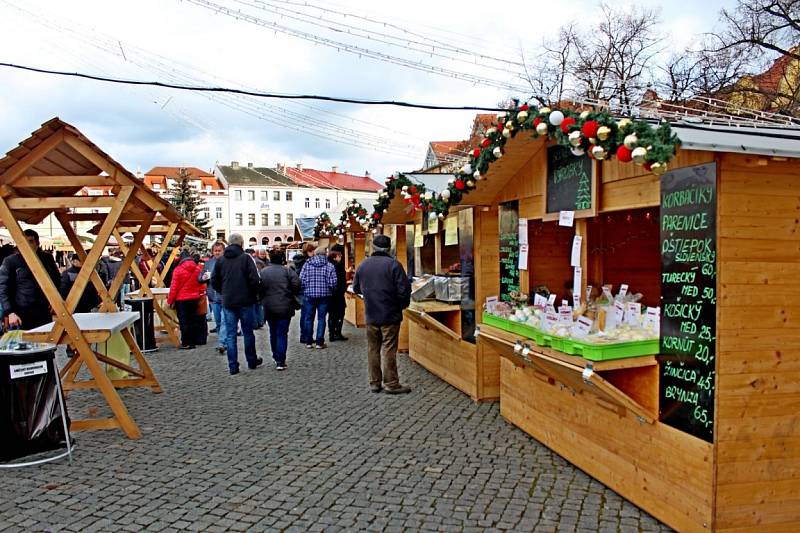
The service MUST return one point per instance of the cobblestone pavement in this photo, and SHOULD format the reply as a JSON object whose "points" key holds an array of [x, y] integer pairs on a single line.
{"points": [[309, 449]]}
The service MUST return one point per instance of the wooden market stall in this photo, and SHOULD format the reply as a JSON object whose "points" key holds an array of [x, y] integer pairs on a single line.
{"points": [[703, 431], [45, 175], [440, 326], [354, 234]]}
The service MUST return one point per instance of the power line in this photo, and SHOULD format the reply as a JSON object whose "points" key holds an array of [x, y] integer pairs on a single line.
{"points": [[280, 96]]}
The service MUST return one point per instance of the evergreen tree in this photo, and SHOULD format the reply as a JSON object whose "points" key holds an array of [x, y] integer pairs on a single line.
{"points": [[188, 201]]}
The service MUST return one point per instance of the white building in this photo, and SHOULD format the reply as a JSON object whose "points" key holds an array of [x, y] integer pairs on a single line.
{"points": [[265, 202], [211, 190]]}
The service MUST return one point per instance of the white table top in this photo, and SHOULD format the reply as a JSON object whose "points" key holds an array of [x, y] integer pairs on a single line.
{"points": [[112, 322], [156, 291]]}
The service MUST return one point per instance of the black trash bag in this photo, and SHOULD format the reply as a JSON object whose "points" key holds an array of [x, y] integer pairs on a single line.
{"points": [[30, 415]]}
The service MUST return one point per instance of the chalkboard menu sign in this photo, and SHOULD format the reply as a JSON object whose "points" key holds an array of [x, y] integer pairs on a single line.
{"points": [[688, 299], [509, 249], [569, 181]]}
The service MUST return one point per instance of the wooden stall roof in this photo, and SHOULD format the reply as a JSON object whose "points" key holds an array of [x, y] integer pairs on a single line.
{"points": [[766, 141], [57, 161], [398, 212]]}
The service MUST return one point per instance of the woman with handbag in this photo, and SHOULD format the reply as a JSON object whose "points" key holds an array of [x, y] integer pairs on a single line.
{"points": [[185, 294], [280, 288]]}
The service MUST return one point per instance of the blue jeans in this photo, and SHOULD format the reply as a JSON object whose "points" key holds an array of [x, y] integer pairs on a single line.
{"points": [[279, 338], [246, 316], [216, 310], [315, 306], [258, 309]]}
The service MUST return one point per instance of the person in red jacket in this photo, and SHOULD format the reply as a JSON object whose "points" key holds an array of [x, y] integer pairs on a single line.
{"points": [[185, 293]]}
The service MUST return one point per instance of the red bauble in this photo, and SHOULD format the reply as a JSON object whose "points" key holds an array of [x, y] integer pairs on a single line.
{"points": [[536, 122], [412, 189], [624, 154], [376, 216], [460, 185], [566, 123], [524, 107], [362, 213], [476, 153], [589, 128], [485, 143], [647, 166]]}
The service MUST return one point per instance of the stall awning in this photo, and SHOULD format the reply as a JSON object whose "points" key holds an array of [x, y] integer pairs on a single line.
{"points": [[304, 228]]}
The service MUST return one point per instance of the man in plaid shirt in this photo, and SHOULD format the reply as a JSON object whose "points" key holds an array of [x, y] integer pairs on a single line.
{"points": [[319, 281]]}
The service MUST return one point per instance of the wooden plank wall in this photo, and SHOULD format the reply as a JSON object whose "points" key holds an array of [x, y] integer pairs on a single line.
{"points": [[487, 257], [758, 346]]}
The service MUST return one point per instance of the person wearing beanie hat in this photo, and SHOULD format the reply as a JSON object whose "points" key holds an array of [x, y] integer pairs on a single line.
{"points": [[386, 289]]}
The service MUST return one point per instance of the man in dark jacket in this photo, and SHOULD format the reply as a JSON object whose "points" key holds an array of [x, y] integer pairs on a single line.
{"points": [[280, 287], [236, 279], [387, 291], [89, 299], [23, 302]]}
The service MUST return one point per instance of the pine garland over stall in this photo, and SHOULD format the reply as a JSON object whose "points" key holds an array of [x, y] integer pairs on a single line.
{"points": [[353, 211], [323, 226], [594, 134]]}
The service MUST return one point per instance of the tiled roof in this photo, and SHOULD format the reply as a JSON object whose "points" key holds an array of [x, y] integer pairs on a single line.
{"points": [[160, 175], [310, 177], [769, 80], [448, 150], [263, 176]]}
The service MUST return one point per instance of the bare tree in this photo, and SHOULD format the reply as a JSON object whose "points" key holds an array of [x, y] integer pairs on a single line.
{"points": [[700, 72], [758, 26], [548, 74]]}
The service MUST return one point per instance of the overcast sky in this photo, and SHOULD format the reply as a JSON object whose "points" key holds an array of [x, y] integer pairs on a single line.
{"points": [[181, 41]]}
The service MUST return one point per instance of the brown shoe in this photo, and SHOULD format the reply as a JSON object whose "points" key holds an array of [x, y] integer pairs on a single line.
{"points": [[400, 389]]}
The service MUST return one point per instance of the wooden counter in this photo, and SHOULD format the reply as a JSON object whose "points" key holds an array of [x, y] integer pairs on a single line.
{"points": [[354, 310], [434, 333]]}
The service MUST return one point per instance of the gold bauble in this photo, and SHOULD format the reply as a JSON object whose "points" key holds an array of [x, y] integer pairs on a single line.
{"points": [[658, 168], [584, 115], [598, 152], [522, 116], [638, 155], [544, 111], [624, 123], [541, 129], [575, 138], [630, 141], [603, 132], [506, 133]]}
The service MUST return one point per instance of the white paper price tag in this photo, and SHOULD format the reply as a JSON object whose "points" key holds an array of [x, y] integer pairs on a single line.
{"points": [[576, 300], [652, 319], [491, 302], [588, 293], [551, 300], [539, 300], [550, 321], [633, 313], [623, 290], [619, 312], [575, 259], [566, 218], [565, 316], [582, 327]]}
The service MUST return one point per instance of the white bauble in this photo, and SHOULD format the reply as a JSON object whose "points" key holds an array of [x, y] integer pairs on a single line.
{"points": [[522, 116], [441, 216], [577, 151], [630, 141], [598, 152], [477, 175], [506, 133], [638, 155], [541, 128], [490, 131], [467, 169], [446, 194], [428, 195], [575, 138], [603, 132], [405, 188], [584, 115], [497, 152], [556, 118]]}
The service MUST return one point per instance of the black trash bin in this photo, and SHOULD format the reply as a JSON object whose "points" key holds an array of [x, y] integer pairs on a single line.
{"points": [[143, 328], [33, 416]]}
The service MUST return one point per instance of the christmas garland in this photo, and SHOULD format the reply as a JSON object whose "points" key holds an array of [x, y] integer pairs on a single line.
{"points": [[323, 226], [356, 211], [595, 134]]}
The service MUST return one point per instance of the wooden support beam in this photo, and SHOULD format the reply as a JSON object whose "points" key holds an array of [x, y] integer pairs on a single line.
{"points": [[83, 217], [129, 255], [66, 322], [64, 202], [17, 169], [32, 182]]}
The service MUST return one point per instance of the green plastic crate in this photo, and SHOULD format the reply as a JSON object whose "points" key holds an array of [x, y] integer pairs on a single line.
{"points": [[607, 352], [592, 352]]}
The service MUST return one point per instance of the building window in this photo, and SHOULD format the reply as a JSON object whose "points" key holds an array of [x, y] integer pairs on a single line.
{"points": [[288, 196], [276, 196], [251, 196], [277, 219], [327, 203], [251, 219], [220, 235], [308, 203], [264, 196], [238, 219], [219, 213], [264, 219], [289, 219], [316, 203], [156, 186], [237, 195]]}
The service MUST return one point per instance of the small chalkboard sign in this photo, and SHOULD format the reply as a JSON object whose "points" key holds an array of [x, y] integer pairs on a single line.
{"points": [[688, 299], [509, 249], [570, 183]]}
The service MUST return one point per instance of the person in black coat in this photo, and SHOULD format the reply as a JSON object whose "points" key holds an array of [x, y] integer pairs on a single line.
{"points": [[235, 277], [23, 303], [89, 299], [280, 287], [337, 304], [387, 291]]}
